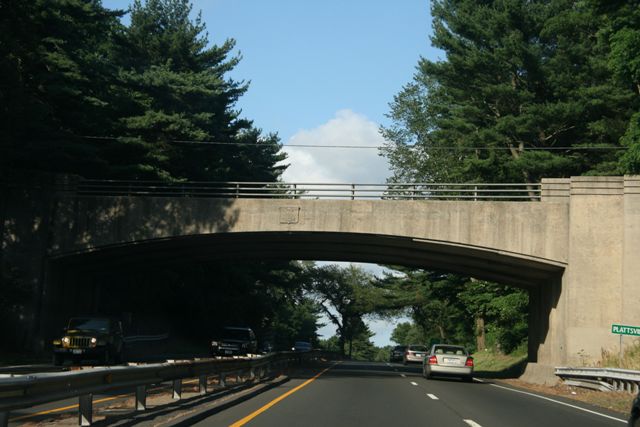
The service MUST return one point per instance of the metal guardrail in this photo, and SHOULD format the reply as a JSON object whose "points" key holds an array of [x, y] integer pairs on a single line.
{"points": [[145, 338], [282, 190], [25, 391], [603, 379]]}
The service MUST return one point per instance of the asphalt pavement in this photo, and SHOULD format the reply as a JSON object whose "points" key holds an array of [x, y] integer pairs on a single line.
{"points": [[352, 393]]}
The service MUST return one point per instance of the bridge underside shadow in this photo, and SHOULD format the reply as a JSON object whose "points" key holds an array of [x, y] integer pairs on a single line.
{"points": [[481, 263]]}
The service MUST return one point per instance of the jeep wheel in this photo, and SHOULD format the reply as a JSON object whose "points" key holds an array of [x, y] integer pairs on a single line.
{"points": [[58, 359], [120, 357], [106, 358]]}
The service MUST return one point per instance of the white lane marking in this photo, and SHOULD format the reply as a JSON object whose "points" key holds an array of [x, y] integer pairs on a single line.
{"points": [[432, 396], [403, 375], [478, 379], [412, 383], [472, 423], [560, 403]]}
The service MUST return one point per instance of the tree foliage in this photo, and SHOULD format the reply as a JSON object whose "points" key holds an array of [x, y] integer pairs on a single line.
{"points": [[82, 93], [518, 80]]}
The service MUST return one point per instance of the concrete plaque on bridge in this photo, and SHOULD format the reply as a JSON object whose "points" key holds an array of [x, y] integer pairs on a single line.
{"points": [[289, 215], [625, 330]]}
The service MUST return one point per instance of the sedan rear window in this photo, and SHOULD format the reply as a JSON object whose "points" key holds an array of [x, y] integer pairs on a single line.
{"points": [[417, 348], [460, 351]]}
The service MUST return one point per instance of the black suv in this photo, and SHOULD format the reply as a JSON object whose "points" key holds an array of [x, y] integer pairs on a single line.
{"points": [[90, 338], [397, 353], [234, 341]]}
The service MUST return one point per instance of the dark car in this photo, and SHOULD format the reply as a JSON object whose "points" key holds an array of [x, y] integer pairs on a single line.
{"points": [[634, 417], [301, 346], [234, 341], [90, 338], [397, 353]]}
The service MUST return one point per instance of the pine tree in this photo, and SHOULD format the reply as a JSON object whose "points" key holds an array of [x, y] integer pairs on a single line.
{"points": [[181, 97], [55, 71], [519, 80]]}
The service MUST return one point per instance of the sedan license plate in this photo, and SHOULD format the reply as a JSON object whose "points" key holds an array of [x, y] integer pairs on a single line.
{"points": [[418, 354], [452, 361], [76, 351]]}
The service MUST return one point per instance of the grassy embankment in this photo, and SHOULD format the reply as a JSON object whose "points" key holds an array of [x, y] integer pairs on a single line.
{"points": [[509, 367], [489, 364]]}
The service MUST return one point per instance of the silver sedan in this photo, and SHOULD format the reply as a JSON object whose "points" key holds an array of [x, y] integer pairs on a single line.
{"points": [[448, 360], [414, 353]]}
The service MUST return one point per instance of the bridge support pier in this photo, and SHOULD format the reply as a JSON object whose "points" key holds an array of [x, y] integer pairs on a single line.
{"points": [[600, 285]]}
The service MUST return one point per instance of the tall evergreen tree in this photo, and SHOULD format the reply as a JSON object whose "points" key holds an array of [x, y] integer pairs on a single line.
{"points": [[81, 93], [519, 80], [621, 29], [55, 73], [182, 100]]}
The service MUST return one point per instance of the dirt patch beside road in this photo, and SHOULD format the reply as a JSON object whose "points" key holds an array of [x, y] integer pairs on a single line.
{"points": [[616, 401]]}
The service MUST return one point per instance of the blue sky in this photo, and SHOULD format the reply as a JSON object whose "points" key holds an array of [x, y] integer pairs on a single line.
{"points": [[322, 72]]}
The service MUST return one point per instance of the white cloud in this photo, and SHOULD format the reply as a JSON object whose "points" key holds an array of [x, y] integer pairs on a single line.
{"points": [[342, 165], [338, 165]]}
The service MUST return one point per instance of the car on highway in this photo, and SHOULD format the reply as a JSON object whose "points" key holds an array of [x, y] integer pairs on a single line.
{"points": [[90, 338], [301, 346], [634, 416], [397, 353], [234, 341], [414, 353], [448, 360]]}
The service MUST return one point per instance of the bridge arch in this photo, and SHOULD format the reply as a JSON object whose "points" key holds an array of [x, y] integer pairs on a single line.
{"points": [[480, 262]]}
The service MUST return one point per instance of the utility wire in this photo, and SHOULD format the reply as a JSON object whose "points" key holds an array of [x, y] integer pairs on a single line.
{"points": [[372, 147]]}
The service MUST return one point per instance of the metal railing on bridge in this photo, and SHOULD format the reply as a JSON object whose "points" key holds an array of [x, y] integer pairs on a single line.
{"points": [[282, 190]]}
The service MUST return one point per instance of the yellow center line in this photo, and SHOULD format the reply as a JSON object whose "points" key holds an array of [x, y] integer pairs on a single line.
{"points": [[65, 408], [278, 399]]}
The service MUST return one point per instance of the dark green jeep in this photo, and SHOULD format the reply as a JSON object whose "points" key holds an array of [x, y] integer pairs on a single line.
{"points": [[95, 338]]}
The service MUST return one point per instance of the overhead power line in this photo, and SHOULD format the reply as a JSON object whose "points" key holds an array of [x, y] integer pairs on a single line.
{"points": [[375, 147]]}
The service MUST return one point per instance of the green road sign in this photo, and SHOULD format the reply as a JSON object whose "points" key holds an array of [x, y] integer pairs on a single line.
{"points": [[625, 330]]}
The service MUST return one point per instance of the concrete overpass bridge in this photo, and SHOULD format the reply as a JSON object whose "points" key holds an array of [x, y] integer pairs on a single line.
{"points": [[573, 243]]}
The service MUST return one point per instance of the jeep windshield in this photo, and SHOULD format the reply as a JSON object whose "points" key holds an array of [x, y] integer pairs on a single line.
{"points": [[235, 335], [89, 324]]}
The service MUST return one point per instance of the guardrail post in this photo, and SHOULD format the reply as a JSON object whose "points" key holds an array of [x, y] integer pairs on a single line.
{"points": [[85, 409], [141, 398], [177, 389], [353, 191], [252, 374], [202, 384], [4, 419], [237, 190], [222, 380]]}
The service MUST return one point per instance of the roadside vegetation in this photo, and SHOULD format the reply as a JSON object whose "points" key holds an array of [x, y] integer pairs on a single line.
{"points": [[524, 90], [630, 358]]}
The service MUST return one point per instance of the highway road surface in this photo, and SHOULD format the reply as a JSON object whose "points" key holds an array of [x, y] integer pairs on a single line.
{"points": [[371, 394], [353, 394]]}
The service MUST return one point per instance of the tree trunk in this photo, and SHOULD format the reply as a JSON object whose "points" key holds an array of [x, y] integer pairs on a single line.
{"points": [[341, 341], [441, 330], [481, 343]]}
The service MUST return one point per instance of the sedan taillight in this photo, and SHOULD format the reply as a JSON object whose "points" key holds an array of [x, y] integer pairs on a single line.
{"points": [[433, 360], [469, 362]]}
